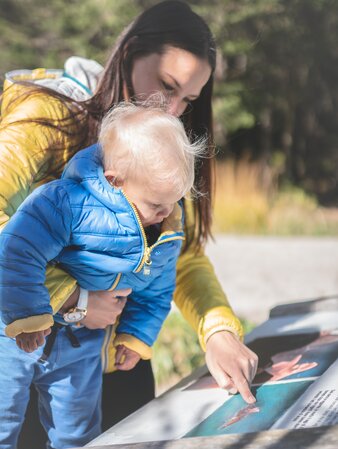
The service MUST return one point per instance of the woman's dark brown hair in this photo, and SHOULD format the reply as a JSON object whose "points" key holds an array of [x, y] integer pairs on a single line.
{"points": [[169, 23]]}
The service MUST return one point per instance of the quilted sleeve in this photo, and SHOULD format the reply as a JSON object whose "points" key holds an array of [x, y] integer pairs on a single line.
{"points": [[31, 153], [34, 236]]}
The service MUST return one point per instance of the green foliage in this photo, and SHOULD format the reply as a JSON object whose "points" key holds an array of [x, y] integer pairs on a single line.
{"points": [[34, 35], [282, 58], [176, 352], [228, 108]]}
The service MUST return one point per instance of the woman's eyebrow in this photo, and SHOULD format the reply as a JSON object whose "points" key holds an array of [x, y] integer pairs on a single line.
{"points": [[174, 80]]}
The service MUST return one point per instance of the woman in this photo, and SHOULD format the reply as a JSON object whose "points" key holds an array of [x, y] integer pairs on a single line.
{"points": [[170, 49]]}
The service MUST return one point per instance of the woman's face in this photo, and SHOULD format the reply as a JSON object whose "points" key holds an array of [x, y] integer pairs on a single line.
{"points": [[177, 73]]}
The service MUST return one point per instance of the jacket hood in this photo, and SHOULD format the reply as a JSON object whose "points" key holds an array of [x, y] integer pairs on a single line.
{"points": [[78, 79], [86, 169]]}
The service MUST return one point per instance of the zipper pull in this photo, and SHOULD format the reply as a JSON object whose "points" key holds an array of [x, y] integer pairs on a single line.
{"points": [[146, 270], [147, 262]]}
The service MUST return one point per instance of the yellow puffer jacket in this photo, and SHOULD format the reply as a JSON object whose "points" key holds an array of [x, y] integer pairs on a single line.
{"points": [[32, 153]]}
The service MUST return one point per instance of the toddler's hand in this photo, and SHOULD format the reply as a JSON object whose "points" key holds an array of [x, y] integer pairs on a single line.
{"points": [[125, 358], [30, 341]]}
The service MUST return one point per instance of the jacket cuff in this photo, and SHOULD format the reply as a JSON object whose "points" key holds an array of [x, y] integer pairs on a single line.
{"points": [[134, 344], [31, 324], [216, 320]]}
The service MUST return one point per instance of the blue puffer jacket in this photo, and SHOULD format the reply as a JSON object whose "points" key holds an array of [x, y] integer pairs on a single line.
{"points": [[91, 229]]}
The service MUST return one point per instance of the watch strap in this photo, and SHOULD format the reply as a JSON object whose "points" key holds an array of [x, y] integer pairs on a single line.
{"points": [[83, 299]]}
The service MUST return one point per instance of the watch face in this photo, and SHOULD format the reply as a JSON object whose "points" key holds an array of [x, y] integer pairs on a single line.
{"points": [[74, 316]]}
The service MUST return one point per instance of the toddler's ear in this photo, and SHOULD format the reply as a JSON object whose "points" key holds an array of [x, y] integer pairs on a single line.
{"points": [[112, 179]]}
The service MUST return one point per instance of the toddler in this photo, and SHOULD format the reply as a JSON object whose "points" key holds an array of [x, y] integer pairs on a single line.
{"points": [[114, 221]]}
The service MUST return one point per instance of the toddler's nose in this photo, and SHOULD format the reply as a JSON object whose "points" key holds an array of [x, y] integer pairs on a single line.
{"points": [[165, 211]]}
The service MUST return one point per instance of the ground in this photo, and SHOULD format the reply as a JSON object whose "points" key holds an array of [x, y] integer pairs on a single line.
{"points": [[258, 273]]}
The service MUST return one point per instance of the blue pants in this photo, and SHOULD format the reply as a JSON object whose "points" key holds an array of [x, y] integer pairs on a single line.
{"points": [[69, 385]]}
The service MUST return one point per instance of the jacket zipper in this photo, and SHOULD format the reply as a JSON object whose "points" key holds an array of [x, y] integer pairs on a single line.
{"points": [[146, 255], [145, 264], [117, 280], [105, 346], [146, 259], [148, 262]]}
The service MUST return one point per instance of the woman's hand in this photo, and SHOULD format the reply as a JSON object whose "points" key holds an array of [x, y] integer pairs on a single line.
{"points": [[231, 363], [30, 341], [104, 307]]}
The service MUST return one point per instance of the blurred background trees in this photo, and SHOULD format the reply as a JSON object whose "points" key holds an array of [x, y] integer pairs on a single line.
{"points": [[276, 99], [275, 103], [280, 60]]}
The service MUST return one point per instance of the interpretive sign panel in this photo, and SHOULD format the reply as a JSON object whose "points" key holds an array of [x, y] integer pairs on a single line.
{"points": [[296, 385]]}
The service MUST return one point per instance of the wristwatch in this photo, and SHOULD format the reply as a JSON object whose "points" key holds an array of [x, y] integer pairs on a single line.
{"points": [[79, 312]]}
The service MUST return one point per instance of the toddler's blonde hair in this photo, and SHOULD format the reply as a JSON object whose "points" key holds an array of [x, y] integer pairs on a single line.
{"points": [[145, 141]]}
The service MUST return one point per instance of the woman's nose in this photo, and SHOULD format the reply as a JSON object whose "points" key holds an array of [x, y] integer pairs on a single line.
{"points": [[176, 107]]}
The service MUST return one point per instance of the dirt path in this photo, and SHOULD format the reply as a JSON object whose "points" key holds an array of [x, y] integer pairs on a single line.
{"points": [[258, 273]]}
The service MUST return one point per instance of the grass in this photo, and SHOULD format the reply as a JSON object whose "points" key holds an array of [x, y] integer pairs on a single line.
{"points": [[241, 203], [247, 201]]}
